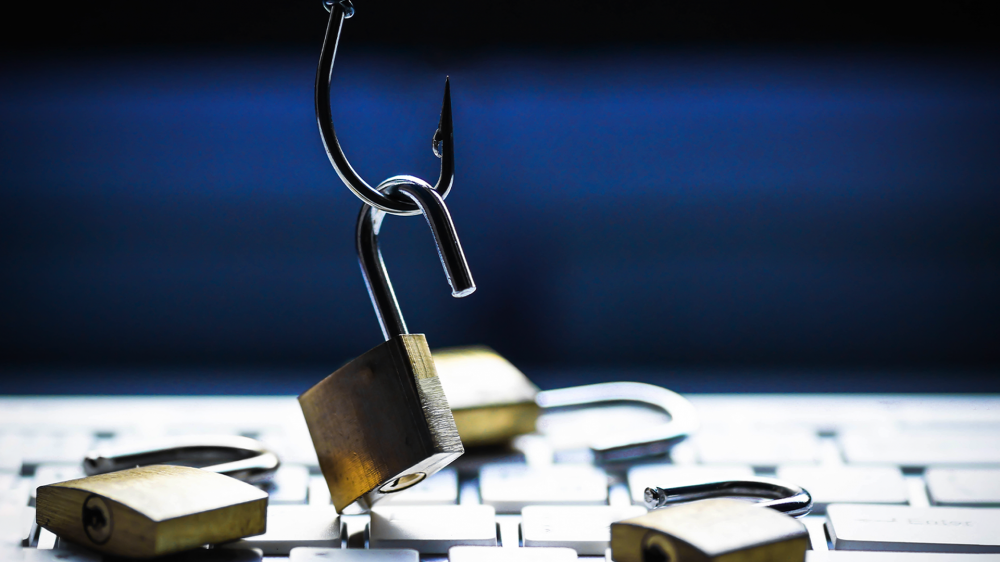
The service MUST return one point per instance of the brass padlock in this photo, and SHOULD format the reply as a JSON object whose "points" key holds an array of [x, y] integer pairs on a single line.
{"points": [[381, 423], [493, 401], [152, 510], [719, 528]]}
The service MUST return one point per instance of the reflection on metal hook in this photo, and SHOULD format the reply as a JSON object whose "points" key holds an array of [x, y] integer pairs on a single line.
{"points": [[443, 142], [432, 205]]}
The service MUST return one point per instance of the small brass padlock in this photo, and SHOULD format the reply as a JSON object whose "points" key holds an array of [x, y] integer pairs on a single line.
{"points": [[717, 529], [491, 399], [152, 510], [381, 423]]}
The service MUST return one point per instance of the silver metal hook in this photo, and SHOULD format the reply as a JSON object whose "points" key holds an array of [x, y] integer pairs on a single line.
{"points": [[442, 143], [432, 205], [636, 443], [782, 496], [239, 457]]}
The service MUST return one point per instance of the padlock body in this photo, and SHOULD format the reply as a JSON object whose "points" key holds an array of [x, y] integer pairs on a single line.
{"points": [[491, 399], [381, 423], [715, 530], [152, 510]]}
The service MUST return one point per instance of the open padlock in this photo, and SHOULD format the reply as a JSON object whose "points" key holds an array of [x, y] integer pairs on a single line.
{"points": [[493, 401], [710, 525], [381, 423]]}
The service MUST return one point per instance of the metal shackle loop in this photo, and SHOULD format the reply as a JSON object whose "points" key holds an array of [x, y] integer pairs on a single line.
{"points": [[781, 496], [442, 143], [636, 443], [242, 458], [432, 205]]}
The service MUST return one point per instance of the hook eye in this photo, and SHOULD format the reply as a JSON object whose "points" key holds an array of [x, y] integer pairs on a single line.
{"points": [[344, 4], [232, 455], [782, 496], [640, 442]]}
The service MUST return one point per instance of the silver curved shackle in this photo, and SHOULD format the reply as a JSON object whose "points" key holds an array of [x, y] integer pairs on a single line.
{"points": [[443, 142], [640, 442], [456, 268], [232, 455], [782, 496]]}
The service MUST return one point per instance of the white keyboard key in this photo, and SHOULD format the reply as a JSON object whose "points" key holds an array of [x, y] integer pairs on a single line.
{"points": [[927, 529], [319, 492], [58, 555], [848, 484], [757, 446], [347, 555], [860, 556], [29, 526], [290, 485], [440, 489], [432, 529], [292, 526], [490, 554], [965, 487], [509, 488], [586, 529], [12, 523], [292, 445], [55, 447], [11, 444], [576, 429], [667, 475], [921, 447], [46, 539]]}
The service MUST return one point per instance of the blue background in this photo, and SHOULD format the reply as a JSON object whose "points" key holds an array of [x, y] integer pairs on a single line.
{"points": [[707, 218]]}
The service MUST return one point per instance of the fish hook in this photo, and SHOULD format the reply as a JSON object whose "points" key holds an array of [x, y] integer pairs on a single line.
{"points": [[443, 142]]}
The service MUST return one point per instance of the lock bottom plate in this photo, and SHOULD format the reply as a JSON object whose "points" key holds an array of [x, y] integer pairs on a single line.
{"points": [[380, 421]]}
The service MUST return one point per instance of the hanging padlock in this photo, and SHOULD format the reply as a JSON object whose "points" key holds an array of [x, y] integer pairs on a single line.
{"points": [[714, 526], [152, 510], [493, 401], [381, 423]]}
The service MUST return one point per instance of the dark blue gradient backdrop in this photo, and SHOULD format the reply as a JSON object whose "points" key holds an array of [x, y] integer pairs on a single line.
{"points": [[621, 210]]}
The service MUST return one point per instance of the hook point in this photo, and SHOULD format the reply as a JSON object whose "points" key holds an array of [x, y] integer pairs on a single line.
{"points": [[444, 129]]}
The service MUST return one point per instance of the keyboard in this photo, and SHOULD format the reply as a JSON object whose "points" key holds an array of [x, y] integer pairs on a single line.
{"points": [[893, 477]]}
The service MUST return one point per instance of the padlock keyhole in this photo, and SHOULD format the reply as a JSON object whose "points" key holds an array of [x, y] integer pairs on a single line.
{"points": [[402, 483], [96, 520], [655, 553]]}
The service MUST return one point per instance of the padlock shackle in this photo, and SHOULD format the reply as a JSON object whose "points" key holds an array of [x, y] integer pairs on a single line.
{"points": [[432, 206], [785, 497], [240, 457]]}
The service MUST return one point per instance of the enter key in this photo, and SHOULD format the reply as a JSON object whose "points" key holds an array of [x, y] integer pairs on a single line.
{"points": [[914, 529]]}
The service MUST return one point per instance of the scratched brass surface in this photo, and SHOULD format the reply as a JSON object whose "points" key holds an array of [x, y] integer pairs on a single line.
{"points": [[491, 399], [716, 530], [152, 510], [380, 419]]}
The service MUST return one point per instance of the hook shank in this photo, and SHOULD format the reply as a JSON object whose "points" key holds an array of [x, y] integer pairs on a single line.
{"points": [[443, 140], [433, 207]]}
